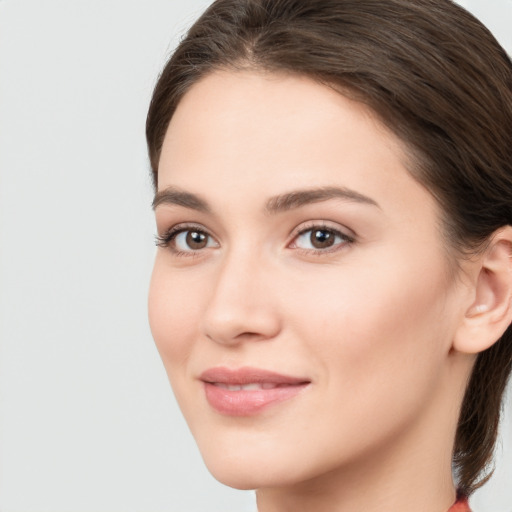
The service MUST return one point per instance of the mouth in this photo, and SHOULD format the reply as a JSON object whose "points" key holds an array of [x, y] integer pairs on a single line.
{"points": [[248, 391], [248, 387]]}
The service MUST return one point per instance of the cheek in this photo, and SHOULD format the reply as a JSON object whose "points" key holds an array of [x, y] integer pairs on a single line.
{"points": [[378, 331], [174, 314]]}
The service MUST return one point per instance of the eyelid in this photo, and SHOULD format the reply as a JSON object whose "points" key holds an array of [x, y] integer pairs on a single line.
{"points": [[323, 224]]}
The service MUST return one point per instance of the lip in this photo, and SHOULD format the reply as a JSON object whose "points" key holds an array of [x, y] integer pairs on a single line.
{"points": [[269, 388]]}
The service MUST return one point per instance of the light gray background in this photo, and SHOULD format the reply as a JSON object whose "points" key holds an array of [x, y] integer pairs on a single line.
{"points": [[87, 419]]}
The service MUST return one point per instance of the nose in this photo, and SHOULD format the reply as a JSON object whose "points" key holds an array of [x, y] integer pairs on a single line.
{"points": [[241, 304]]}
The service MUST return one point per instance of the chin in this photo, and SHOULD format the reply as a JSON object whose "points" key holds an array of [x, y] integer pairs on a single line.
{"points": [[257, 465], [235, 480], [246, 476], [237, 467]]}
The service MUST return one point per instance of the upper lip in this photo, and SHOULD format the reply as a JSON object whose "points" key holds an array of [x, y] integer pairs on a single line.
{"points": [[248, 375]]}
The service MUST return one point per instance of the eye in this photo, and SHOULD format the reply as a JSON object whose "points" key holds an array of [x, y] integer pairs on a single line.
{"points": [[186, 240], [192, 240], [320, 238]]}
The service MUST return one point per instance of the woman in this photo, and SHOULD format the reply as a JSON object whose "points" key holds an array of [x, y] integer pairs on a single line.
{"points": [[332, 294]]}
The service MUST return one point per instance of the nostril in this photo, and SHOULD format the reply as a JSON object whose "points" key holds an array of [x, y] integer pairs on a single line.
{"points": [[250, 335], [238, 338]]}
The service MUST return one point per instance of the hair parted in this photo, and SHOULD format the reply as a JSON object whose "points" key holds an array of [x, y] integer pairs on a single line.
{"points": [[436, 77]]}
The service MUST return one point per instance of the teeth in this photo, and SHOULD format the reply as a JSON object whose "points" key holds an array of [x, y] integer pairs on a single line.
{"points": [[246, 387]]}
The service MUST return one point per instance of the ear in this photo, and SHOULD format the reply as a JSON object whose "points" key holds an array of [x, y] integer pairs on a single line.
{"points": [[490, 313]]}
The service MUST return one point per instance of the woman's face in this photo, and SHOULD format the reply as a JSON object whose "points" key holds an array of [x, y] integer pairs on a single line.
{"points": [[301, 299]]}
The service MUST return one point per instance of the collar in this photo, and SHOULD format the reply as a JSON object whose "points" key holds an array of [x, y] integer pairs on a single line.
{"points": [[461, 505]]}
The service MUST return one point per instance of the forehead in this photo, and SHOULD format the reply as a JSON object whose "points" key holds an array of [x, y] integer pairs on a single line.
{"points": [[244, 102]]}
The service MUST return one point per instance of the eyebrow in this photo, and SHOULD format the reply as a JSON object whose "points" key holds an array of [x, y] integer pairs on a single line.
{"points": [[298, 198], [173, 195], [276, 204]]}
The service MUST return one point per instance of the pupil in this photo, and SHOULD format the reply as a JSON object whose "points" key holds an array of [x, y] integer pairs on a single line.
{"points": [[196, 240], [321, 239]]}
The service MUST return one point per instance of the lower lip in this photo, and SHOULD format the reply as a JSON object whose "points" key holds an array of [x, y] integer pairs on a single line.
{"points": [[248, 402]]}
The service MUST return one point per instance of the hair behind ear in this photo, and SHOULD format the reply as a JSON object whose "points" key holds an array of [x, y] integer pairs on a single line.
{"points": [[480, 415]]}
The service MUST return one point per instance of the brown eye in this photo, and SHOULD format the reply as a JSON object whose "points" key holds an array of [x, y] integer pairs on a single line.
{"points": [[196, 240], [187, 240], [322, 238]]}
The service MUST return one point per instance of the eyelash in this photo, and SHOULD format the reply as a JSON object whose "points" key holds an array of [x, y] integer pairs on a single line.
{"points": [[166, 239]]}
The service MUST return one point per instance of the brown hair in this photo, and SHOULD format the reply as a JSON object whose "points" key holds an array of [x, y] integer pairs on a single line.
{"points": [[436, 77]]}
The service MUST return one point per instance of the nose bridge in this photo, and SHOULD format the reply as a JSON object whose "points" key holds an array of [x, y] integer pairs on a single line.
{"points": [[240, 305]]}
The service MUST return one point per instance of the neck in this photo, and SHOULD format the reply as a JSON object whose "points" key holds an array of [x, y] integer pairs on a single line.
{"points": [[420, 485]]}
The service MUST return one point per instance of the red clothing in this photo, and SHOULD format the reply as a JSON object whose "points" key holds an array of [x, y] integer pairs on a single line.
{"points": [[460, 506]]}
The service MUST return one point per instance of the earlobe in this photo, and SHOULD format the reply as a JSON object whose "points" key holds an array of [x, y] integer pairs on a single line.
{"points": [[490, 313]]}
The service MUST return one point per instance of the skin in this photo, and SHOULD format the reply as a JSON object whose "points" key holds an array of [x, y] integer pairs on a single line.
{"points": [[369, 322]]}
